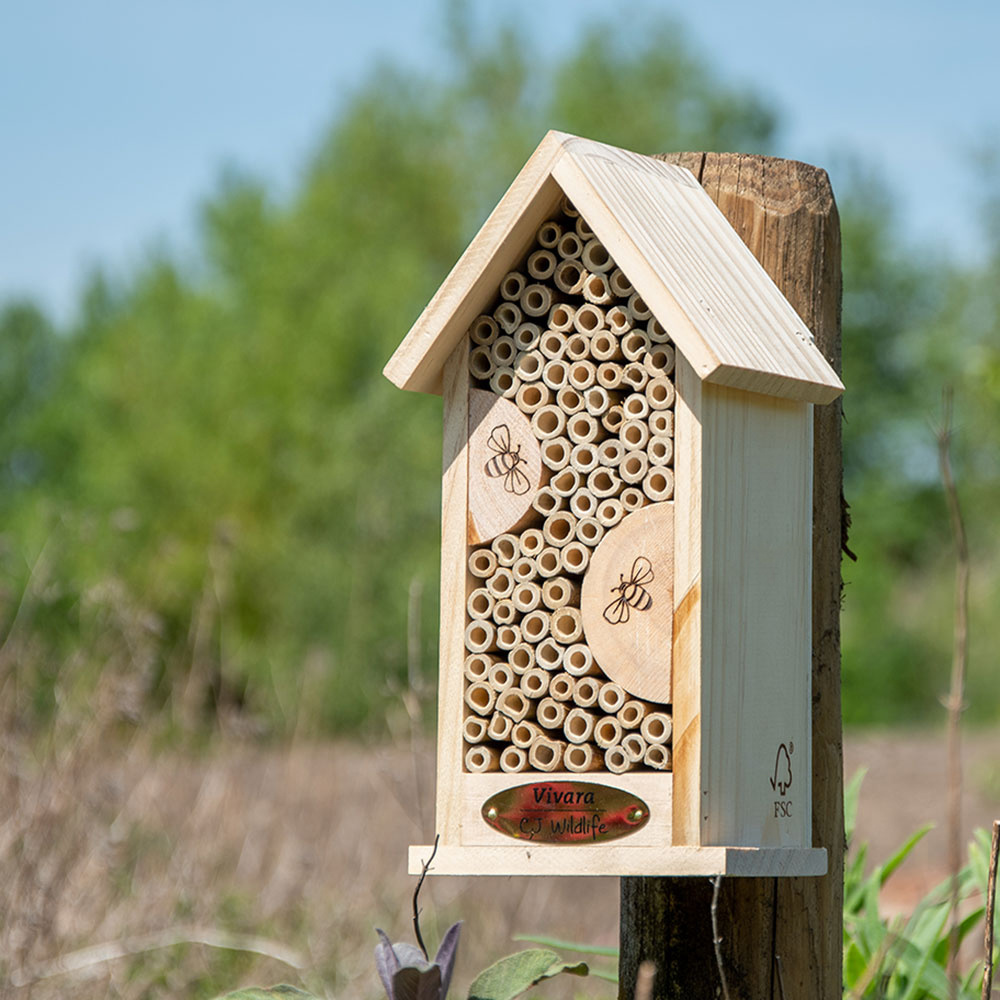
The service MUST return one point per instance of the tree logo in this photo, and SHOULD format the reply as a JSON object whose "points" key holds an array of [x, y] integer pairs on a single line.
{"points": [[782, 779]]}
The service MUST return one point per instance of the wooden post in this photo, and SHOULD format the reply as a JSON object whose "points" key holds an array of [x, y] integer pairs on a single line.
{"points": [[780, 938]]}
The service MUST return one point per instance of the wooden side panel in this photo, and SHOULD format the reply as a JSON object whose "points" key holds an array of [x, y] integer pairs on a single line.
{"points": [[756, 620], [454, 586]]}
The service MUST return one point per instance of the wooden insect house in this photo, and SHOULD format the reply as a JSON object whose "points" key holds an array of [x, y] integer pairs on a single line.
{"points": [[626, 551]]}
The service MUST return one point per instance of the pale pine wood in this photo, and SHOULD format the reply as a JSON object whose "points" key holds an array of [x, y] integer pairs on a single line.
{"points": [[635, 652], [502, 483]]}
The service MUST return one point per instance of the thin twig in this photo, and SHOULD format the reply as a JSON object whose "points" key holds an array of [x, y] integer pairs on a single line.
{"points": [[781, 977], [644, 978], [956, 696], [716, 940], [416, 897], [991, 902]]}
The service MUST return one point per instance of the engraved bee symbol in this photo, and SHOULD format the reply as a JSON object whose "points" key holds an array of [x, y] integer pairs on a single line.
{"points": [[632, 592], [506, 462]]}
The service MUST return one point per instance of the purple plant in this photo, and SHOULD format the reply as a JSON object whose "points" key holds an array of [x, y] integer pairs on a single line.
{"points": [[407, 973]]}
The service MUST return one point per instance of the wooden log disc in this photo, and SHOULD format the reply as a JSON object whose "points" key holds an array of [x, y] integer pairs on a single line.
{"points": [[505, 467], [627, 602]]}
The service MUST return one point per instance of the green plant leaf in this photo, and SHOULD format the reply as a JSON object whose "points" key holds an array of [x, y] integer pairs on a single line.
{"points": [[852, 794], [280, 992], [512, 975], [605, 951], [901, 855]]}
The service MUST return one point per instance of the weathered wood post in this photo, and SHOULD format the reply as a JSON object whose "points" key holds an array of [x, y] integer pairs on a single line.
{"points": [[780, 938]]}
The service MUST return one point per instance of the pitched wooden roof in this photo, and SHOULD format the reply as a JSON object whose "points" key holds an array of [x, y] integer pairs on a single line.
{"points": [[723, 311]]}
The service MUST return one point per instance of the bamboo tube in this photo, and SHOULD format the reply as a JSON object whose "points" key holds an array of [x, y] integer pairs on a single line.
{"points": [[561, 687], [582, 428], [610, 453], [549, 654], [552, 345], [631, 714], [567, 209], [480, 636], [595, 257], [634, 345], [660, 450], [521, 658], [513, 760], [561, 317], [549, 562], [609, 375], [660, 393], [604, 346], [586, 691], [548, 422], [659, 483], [569, 400], [499, 727], [556, 453], [480, 697], [658, 757], [590, 531], [578, 726], [541, 264], [580, 757], [582, 505], [501, 677], [575, 557], [635, 375], [558, 528], [616, 760], [570, 246], [634, 466], [657, 727], [558, 592], [634, 434], [583, 459], [620, 284], [500, 583], [589, 319], [550, 713], [524, 734], [535, 683], [582, 375], [577, 346], [612, 697], [619, 320], [474, 729], [612, 420], [515, 704], [529, 366], [596, 400], [583, 229], [506, 548], [477, 667], [483, 331], [607, 732], [545, 754], [597, 290], [547, 501], [638, 308], [536, 300], [535, 627], [632, 499], [526, 337], [503, 351], [524, 571], [660, 360], [480, 759], [569, 276], [636, 406], [508, 316], [567, 482], [661, 422], [579, 662], [555, 374], [482, 563], [548, 234], [634, 746], [480, 603], [508, 636], [532, 542], [656, 333], [602, 481], [610, 512], [504, 612], [481, 363], [513, 285], [566, 625]]}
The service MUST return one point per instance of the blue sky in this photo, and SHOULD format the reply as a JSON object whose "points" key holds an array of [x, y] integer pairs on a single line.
{"points": [[118, 116]]}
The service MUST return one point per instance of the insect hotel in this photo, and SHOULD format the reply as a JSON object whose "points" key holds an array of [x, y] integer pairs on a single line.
{"points": [[626, 548]]}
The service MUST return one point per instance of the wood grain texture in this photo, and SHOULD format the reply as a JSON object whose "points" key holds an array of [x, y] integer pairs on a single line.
{"points": [[785, 213]]}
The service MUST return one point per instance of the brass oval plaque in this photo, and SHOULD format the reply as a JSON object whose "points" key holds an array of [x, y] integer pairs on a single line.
{"points": [[565, 812]]}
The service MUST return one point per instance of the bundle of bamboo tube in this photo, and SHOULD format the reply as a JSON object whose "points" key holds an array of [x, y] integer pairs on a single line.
{"points": [[571, 343]]}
